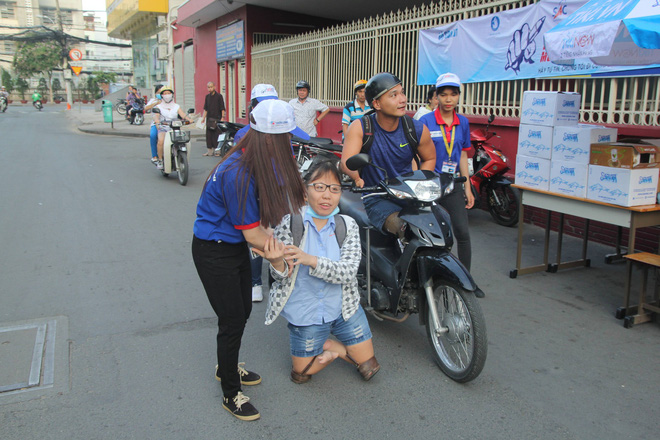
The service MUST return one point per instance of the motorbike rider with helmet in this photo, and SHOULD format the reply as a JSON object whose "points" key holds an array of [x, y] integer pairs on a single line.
{"points": [[36, 97], [306, 109], [390, 149], [356, 108], [169, 110], [4, 96]]}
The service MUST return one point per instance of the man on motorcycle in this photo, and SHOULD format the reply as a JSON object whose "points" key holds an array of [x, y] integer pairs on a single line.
{"points": [[131, 96], [390, 150], [36, 97]]}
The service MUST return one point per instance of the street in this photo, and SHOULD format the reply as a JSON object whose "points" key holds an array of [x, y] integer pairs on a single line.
{"points": [[94, 237]]}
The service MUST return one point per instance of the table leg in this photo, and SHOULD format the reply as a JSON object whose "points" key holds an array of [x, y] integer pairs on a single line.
{"points": [[618, 255], [519, 270]]}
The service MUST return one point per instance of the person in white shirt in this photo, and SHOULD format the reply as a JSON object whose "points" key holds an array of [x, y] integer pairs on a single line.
{"points": [[169, 110], [306, 108]]}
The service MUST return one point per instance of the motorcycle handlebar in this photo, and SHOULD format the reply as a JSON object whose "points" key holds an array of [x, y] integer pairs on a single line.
{"points": [[460, 179]]}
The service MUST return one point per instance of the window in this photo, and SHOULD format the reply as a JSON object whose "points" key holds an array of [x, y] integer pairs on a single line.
{"points": [[7, 9]]}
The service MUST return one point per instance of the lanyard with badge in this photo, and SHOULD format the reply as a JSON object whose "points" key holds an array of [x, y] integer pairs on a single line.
{"points": [[449, 166]]}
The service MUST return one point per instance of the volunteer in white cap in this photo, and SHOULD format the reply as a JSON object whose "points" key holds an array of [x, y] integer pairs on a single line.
{"points": [[450, 133], [252, 188]]}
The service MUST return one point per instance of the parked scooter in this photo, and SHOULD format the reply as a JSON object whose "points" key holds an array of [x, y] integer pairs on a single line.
{"points": [[226, 137], [175, 148], [120, 106], [489, 165], [419, 274], [306, 150], [3, 104], [136, 113]]}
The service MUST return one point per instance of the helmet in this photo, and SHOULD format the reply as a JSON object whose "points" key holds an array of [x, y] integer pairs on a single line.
{"points": [[167, 88], [302, 84], [359, 84], [379, 84]]}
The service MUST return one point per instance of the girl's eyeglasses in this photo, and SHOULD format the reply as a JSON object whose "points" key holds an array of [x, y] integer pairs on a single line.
{"points": [[321, 187]]}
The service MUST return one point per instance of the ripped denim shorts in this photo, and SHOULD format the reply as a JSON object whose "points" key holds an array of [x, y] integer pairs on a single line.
{"points": [[307, 341]]}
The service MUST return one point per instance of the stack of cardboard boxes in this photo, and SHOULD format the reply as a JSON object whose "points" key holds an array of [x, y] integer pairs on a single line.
{"points": [[557, 154]]}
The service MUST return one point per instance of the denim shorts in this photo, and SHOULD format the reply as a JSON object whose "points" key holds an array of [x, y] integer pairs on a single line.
{"points": [[307, 341], [379, 208]]}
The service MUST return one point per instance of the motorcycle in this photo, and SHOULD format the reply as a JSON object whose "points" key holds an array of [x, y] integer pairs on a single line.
{"points": [[136, 113], [38, 105], [489, 165], [419, 274], [226, 137], [306, 150], [3, 104], [175, 148]]}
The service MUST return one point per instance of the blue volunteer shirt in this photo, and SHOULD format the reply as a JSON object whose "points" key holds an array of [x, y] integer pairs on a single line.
{"points": [[313, 300], [220, 216], [436, 126], [240, 133], [390, 150]]}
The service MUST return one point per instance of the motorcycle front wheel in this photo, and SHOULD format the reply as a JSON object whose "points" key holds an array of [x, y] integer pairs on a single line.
{"points": [[182, 168], [227, 144], [461, 350], [503, 204], [138, 119]]}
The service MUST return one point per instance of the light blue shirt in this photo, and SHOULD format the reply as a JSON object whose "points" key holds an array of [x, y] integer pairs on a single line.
{"points": [[313, 300]]}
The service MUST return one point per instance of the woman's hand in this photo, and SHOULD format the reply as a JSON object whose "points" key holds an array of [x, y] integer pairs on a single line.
{"points": [[274, 253], [295, 256]]}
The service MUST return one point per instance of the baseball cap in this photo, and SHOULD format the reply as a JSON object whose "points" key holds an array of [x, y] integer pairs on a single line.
{"points": [[448, 79], [275, 117], [261, 92]]}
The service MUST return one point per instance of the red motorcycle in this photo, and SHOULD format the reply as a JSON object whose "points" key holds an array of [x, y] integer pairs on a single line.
{"points": [[489, 165]]}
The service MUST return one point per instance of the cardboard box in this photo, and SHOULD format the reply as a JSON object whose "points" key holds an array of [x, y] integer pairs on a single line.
{"points": [[533, 172], [550, 108], [625, 155], [535, 141], [573, 143], [623, 186], [569, 178]]}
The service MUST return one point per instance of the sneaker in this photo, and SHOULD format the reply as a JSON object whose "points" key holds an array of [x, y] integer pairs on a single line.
{"points": [[257, 294], [247, 377], [159, 164], [154, 159], [240, 407]]}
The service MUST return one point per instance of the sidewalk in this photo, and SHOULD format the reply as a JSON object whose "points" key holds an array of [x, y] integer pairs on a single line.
{"points": [[90, 121]]}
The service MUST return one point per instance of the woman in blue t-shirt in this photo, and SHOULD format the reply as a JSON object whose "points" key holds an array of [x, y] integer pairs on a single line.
{"points": [[253, 187], [450, 133]]}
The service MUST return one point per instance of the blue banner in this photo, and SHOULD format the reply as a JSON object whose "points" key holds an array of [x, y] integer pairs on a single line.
{"points": [[230, 42], [504, 46]]}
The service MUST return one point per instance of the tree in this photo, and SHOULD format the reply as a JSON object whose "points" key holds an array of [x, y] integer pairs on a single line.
{"points": [[43, 86], [22, 86], [32, 58], [7, 81], [104, 77], [57, 86]]}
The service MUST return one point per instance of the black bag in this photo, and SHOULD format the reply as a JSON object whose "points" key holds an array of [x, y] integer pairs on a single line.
{"points": [[212, 123]]}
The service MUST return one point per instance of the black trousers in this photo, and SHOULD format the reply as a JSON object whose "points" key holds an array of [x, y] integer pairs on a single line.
{"points": [[224, 270], [212, 138], [454, 203]]}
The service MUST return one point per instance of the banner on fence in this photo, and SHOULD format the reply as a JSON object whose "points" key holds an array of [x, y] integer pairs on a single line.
{"points": [[504, 46]]}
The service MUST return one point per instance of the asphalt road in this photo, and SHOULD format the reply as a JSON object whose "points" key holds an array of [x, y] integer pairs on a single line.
{"points": [[92, 232]]}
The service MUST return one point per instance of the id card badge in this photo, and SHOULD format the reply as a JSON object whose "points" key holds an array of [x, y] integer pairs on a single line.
{"points": [[449, 166]]}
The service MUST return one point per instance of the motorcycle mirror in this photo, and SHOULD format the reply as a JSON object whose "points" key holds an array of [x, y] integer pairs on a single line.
{"points": [[191, 110], [357, 162], [155, 110], [491, 118]]}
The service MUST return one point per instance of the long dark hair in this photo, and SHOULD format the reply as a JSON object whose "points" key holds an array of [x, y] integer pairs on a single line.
{"points": [[267, 158]]}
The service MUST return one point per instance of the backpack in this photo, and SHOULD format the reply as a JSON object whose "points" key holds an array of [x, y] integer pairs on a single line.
{"points": [[408, 131], [297, 229]]}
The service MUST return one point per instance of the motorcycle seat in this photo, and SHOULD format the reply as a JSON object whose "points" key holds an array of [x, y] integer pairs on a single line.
{"points": [[351, 205], [320, 140]]}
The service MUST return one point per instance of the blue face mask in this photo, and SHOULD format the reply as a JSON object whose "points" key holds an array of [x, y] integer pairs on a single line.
{"points": [[313, 213], [158, 96]]}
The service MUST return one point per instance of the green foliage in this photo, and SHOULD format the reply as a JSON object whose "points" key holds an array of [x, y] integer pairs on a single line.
{"points": [[7, 81], [43, 86], [104, 77], [22, 86], [34, 58], [57, 86]]}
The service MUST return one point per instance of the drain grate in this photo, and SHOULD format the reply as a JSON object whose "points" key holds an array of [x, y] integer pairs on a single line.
{"points": [[27, 356]]}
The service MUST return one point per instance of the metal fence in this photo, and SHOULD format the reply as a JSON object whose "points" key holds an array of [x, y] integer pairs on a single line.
{"points": [[333, 59]]}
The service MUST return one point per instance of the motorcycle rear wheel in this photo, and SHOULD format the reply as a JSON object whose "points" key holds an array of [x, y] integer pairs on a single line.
{"points": [[503, 204], [121, 108], [182, 169], [138, 119], [460, 352]]}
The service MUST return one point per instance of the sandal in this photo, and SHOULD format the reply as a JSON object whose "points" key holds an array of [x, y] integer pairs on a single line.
{"points": [[301, 378]]}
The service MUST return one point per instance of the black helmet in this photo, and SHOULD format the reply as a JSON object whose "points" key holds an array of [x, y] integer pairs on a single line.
{"points": [[379, 84], [302, 84]]}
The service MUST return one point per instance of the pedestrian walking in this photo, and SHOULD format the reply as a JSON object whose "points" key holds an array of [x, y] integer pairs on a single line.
{"points": [[214, 110]]}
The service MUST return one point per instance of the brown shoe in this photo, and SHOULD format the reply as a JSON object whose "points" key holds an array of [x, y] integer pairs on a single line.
{"points": [[368, 368]]}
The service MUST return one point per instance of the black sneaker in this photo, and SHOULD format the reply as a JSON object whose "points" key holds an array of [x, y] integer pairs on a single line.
{"points": [[240, 407], [247, 377]]}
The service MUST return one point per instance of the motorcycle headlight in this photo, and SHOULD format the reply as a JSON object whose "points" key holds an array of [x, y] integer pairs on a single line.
{"points": [[425, 190], [177, 124]]}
